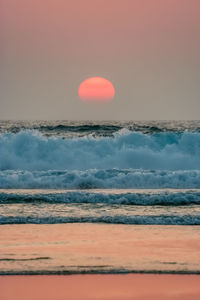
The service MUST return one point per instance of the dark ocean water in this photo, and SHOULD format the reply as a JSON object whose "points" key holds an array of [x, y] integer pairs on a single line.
{"points": [[110, 172]]}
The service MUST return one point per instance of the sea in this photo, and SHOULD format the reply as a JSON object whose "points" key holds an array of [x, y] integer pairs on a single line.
{"points": [[102, 183]]}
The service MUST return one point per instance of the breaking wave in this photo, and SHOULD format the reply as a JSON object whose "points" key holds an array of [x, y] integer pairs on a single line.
{"points": [[29, 150], [96, 179], [128, 197]]}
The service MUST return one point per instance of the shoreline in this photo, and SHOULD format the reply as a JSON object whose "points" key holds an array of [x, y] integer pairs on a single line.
{"points": [[99, 272]]}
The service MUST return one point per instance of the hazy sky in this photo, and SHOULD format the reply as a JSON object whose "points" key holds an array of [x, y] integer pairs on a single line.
{"points": [[149, 49]]}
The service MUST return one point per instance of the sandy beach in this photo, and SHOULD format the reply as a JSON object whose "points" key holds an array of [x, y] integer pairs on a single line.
{"points": [[104, 287], [98, 248]]}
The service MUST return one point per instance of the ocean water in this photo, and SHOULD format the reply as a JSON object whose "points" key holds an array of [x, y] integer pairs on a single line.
{"points": [[110, 172], [132, 173]]}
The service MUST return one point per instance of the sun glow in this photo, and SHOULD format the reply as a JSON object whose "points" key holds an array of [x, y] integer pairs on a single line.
{"points": [[96, 89]]}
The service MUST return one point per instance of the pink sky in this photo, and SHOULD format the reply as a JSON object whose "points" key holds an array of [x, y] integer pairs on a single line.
{"points": [[149, 49]]}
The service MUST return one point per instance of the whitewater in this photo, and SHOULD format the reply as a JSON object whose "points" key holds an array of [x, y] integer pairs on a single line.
{"points": [[30, 150], [100, 172]]}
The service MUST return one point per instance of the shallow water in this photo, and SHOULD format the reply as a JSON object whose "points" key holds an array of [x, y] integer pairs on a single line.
{"points": [[99, 248], [160, 206]]}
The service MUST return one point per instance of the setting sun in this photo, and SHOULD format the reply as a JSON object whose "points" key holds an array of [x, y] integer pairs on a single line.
{"points": [[96, 89]]}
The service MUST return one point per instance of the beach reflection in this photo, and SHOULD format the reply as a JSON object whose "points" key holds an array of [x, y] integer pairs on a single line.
{"points": [[104, 287], [97, 248]]}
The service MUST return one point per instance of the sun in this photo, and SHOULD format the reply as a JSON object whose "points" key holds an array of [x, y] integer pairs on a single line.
{"points": [[96, 89]]}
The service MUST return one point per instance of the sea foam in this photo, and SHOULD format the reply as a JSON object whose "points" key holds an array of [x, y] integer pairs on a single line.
{"points": [[30, 151], [97, 179], [153, 197]]}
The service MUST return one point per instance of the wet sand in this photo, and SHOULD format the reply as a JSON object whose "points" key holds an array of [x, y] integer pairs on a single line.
{"points": [[101, 287], [98, 248]]}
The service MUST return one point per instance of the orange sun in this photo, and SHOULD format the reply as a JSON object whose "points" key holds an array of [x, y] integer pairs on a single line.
{"points": [[96, 89]]}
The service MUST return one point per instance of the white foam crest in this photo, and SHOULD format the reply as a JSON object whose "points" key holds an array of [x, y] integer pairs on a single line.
{"points": [[29, 150], [90, 179], [126, 197]]}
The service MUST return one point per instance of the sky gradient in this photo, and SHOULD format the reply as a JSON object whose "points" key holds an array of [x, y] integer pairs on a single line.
{"points": [[149, 50]]}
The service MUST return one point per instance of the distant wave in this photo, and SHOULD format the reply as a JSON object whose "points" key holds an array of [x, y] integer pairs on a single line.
{"points": [[96, 179], [29, 150], [90, 128], [149, 197], [103, 128], [116, 219]]}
